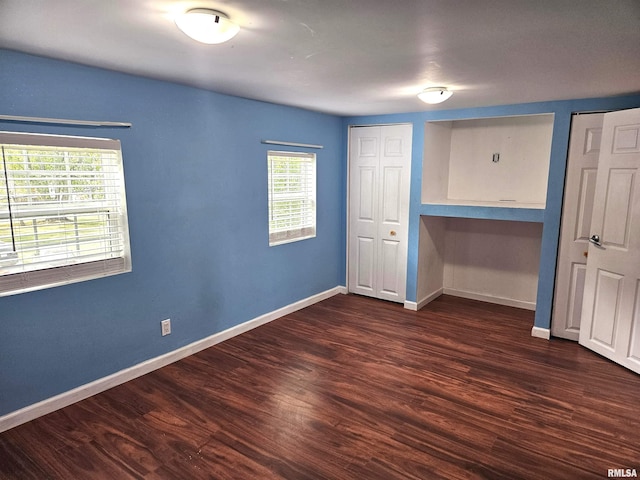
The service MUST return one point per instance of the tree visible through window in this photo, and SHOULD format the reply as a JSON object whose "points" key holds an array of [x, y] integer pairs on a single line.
{"points": [[292, 196], [62, 211]]}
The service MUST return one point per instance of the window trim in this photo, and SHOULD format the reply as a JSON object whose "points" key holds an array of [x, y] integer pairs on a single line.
{"points": [[293, 233], [56, 275]]}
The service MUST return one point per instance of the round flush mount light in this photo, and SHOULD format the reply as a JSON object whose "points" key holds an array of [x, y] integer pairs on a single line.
{"points": [[435, 95], [207, 26]]}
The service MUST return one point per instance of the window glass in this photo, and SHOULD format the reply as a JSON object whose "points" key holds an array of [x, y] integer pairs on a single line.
{"points": [[62, 211], [292, 196]]}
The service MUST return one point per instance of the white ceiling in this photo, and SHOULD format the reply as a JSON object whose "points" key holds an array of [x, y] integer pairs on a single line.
{"points": [[352, 57]]}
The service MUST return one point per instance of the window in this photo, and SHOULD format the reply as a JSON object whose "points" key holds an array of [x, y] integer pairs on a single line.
{"points": [[63, 215], [292, 196]]}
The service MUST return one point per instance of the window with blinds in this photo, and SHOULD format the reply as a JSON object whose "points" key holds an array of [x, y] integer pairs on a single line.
{"points": [[63, 215], [292, 196]]}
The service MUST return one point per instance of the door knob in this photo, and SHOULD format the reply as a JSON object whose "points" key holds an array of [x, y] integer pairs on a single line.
{"points": [[392, 233], [595, 239]]}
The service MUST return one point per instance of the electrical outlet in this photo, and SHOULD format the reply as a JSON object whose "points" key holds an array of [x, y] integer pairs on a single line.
{"points": [[166, 326]]}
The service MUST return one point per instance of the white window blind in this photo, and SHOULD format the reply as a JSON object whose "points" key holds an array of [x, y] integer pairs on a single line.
{"points": [[63, 214], [292, 196]]}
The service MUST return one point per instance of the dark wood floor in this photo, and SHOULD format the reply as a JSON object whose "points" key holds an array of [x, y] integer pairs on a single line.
{"points": [[353, 388]]}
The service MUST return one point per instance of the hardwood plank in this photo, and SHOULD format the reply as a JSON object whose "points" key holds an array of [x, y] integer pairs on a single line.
{"points": [[353, 388]]}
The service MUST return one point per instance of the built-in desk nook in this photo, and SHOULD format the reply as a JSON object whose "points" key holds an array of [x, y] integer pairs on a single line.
{"points": [[484, 188]]}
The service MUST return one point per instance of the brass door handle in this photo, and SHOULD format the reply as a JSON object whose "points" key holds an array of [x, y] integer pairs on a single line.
{"points": [[392, 233]]}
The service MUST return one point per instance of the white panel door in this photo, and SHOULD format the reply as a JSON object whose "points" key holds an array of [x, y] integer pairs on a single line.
{"points": [[364, 164], [379, 182], [577, 209], [610, 322]]}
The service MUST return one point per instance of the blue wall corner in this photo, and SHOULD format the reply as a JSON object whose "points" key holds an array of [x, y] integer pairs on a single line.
{"points": [[196, 182]]}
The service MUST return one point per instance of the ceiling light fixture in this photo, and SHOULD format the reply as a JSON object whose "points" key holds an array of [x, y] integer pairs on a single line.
{"points": [[435, 95], [207, 26]]}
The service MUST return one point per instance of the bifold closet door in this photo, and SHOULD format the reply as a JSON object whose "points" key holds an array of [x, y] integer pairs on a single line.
{"points": [[379, 184]]}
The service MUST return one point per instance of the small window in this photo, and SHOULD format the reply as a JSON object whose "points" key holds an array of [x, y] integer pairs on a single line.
{"points": [[63, 215], [292, 196]]}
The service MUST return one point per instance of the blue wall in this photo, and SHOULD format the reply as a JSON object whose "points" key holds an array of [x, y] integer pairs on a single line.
{"points": [[195, 174], [555, 189]]}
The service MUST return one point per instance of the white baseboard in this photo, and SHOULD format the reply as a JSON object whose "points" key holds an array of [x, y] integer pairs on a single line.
{"points": [[539, 332], [429, 298], [509, 302], [409, 305], [62, 400]]}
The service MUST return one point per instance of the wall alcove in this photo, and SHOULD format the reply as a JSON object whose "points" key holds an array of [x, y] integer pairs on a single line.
{"points": [[484, 188]]}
